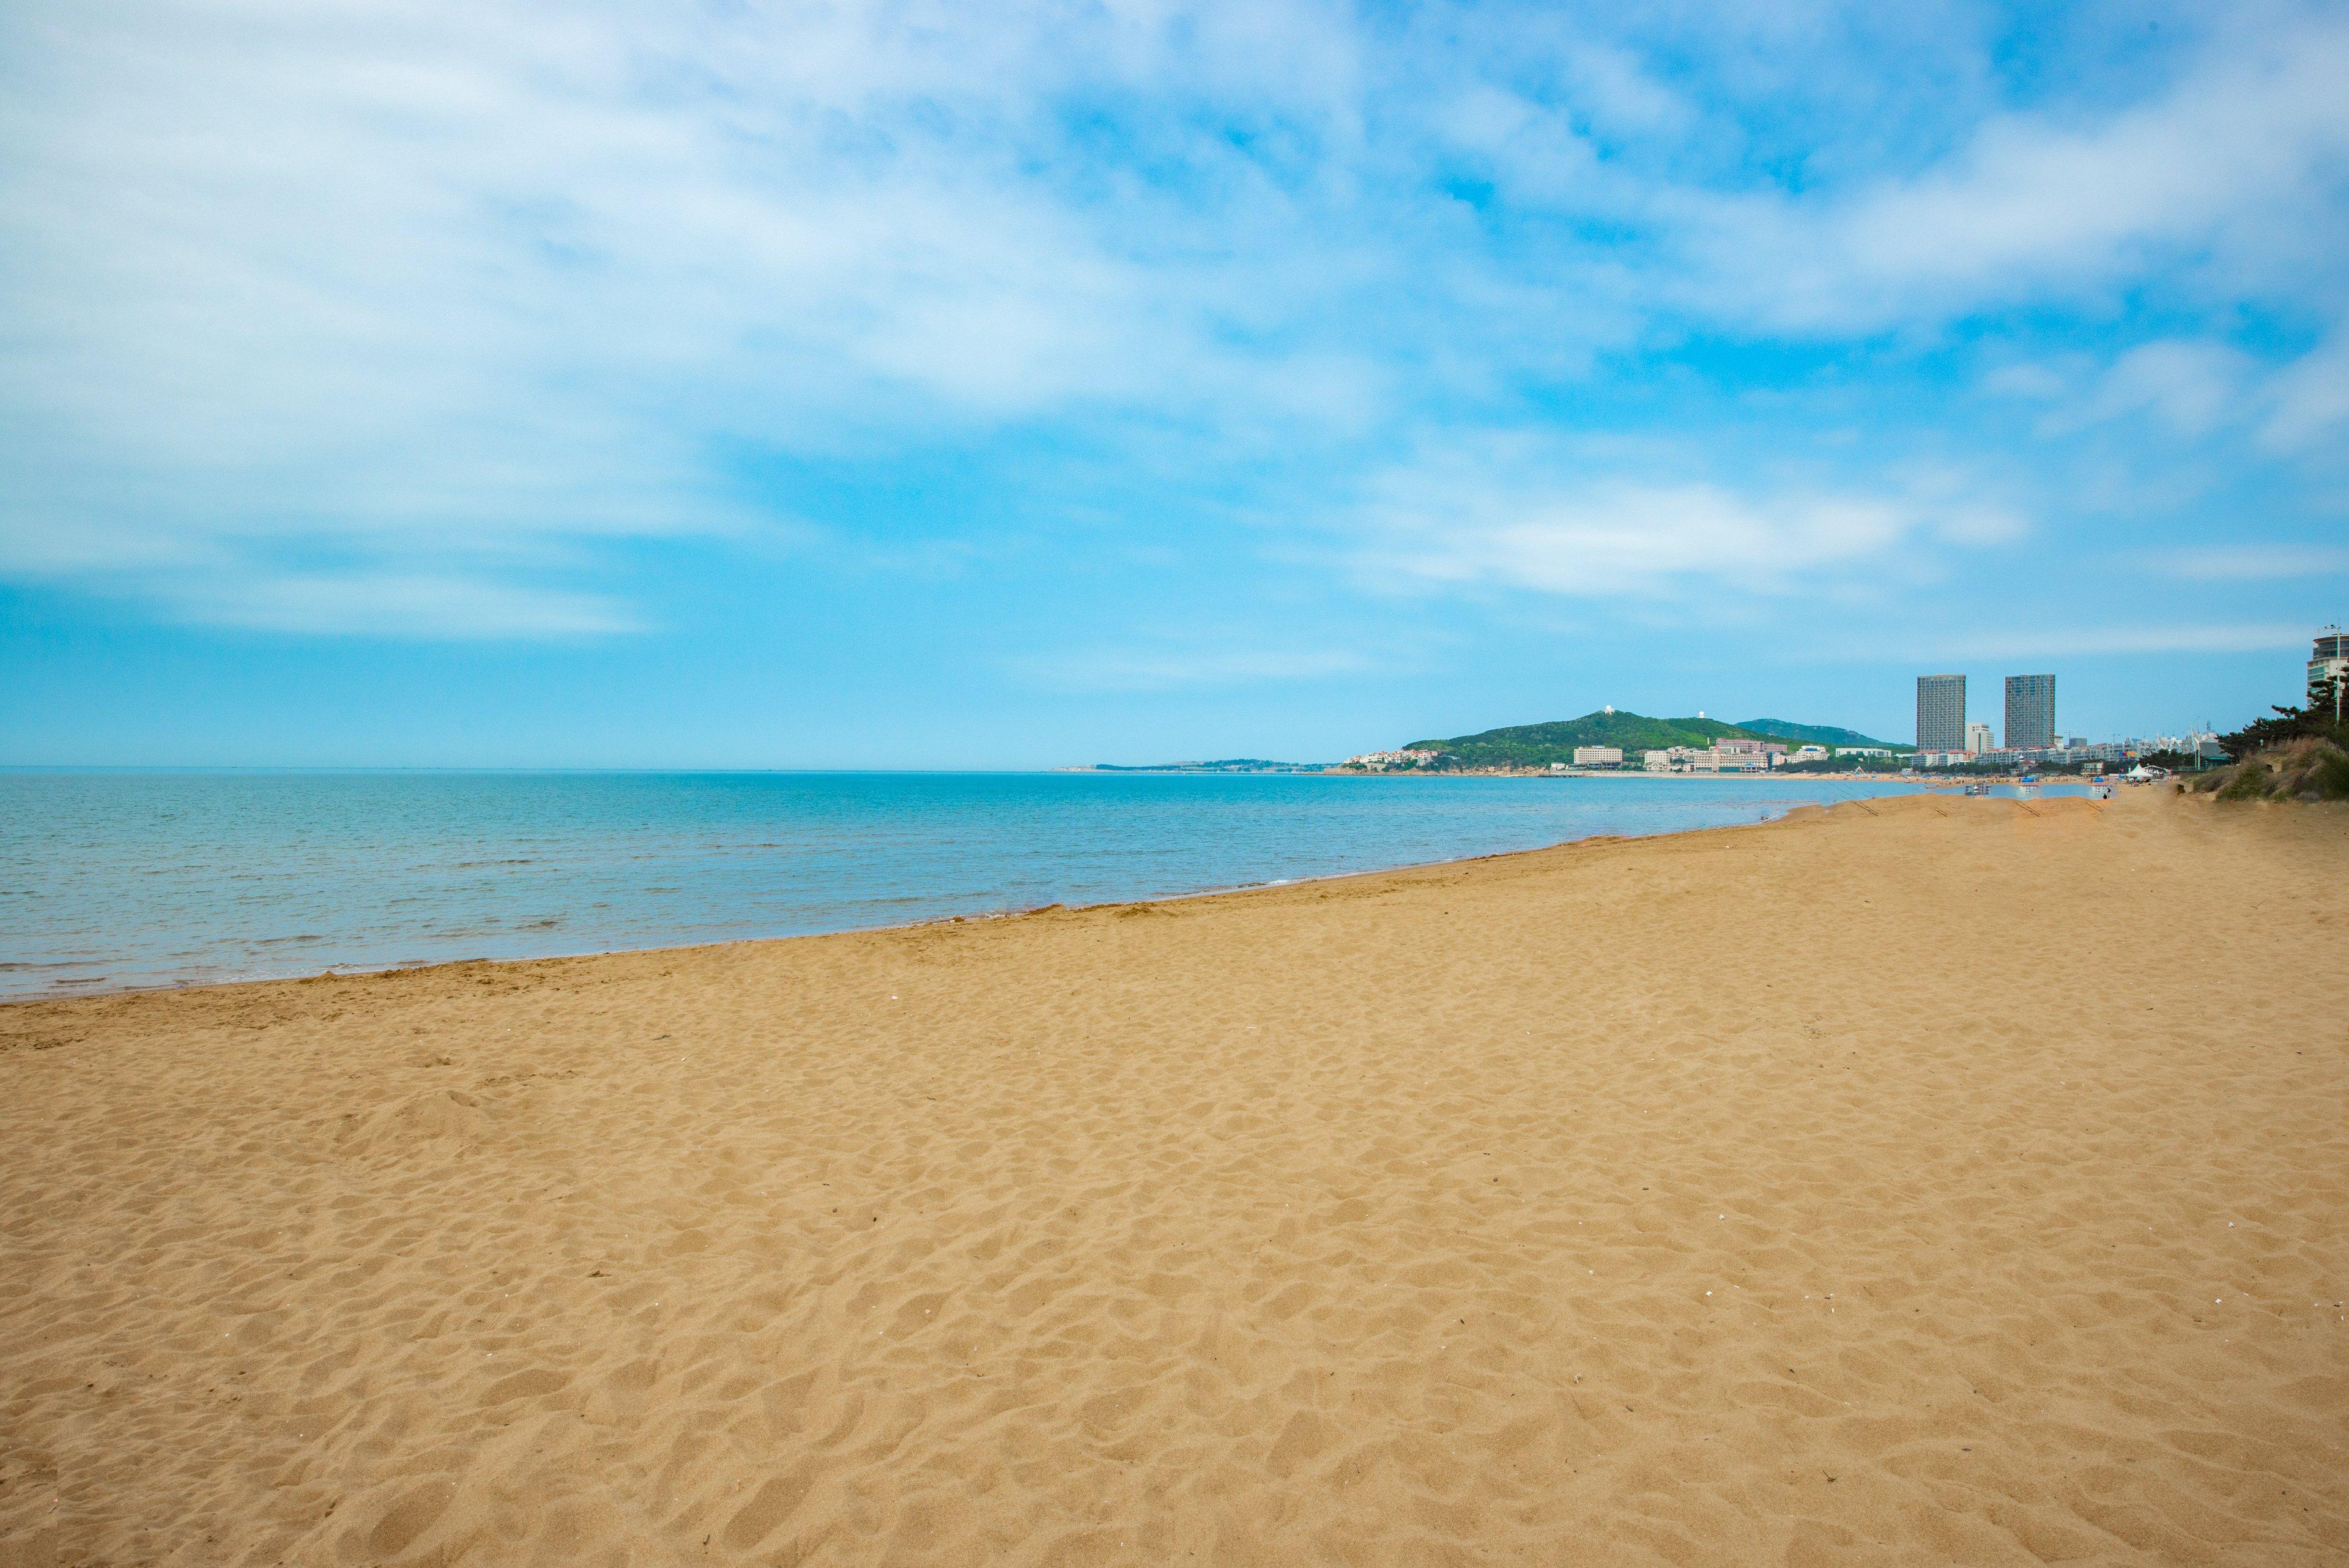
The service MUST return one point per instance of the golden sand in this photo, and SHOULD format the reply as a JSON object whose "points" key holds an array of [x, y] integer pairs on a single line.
{"points": [[1928, 1181]]}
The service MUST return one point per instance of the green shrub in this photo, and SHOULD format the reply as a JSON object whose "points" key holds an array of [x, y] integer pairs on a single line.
{"points": [[2309, 768], [2315, 770], [2331, 777], [2252, 781]]}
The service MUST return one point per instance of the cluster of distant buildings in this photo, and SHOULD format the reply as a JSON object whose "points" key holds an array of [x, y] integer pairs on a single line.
{"points": [[1386, 761], [1723, 756], [1945, 738]]}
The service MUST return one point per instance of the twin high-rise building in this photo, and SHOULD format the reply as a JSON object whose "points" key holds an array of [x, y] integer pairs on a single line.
{"points": [[2031, 703], [1941, 715], [2030, 713]]}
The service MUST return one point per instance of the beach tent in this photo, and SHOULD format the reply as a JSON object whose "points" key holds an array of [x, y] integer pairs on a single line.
{"points": [[2141, 774]]}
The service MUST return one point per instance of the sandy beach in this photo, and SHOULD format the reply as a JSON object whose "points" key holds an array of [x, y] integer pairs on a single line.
{"points": [[1924, 1181]]}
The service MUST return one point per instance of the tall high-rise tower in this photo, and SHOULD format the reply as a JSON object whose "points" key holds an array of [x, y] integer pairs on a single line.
{"points": [[2030, 712], [1940, 713], [2328, 671]]}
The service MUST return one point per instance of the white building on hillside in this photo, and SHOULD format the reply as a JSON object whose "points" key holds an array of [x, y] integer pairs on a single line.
{"points": [[1597, 756]]}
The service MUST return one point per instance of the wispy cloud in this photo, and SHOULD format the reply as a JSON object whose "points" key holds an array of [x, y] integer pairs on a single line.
{"points": [[1161, 669], [1522, 511], [2057, 642], [460, 300], [419, 285], [2211, 172], [2309, 399], [380, 603], [2190, 387], [2254, 563]]}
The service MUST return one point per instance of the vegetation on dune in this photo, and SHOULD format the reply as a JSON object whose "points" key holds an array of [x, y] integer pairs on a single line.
{"points": [[2301, 754], [2312, 768], [2320, 718]]}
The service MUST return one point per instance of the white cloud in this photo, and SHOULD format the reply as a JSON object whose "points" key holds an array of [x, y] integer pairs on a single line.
{"points": [[1529, 149], [1619, 95], [2308, 400], [2254, 563], [453, 297], [429, 286], [2034, 380], [2225, 637], [380, 603], [2228, 165], [2190, 387], [1523, 513], [1103, 669]]}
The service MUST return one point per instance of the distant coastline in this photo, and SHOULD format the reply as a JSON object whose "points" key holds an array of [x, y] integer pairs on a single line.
{"points": [[1222, 765], [1597, 745], [1340, 770]]}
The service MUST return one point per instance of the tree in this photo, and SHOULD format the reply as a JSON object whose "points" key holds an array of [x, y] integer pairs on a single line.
{"points": [[2315, 721], [2328, 698]]}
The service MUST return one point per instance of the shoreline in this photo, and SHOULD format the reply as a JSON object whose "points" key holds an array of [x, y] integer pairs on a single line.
{"points": [[334, 972]]}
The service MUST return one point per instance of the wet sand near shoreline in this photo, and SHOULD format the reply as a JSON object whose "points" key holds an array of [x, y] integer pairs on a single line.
{"points": [[1918, 1180]]}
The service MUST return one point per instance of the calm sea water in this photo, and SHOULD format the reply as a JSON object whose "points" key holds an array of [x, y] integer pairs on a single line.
{"points": [[115, 880]]}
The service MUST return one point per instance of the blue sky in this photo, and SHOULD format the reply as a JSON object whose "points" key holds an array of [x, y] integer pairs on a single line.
{"points": [[914, 385]]}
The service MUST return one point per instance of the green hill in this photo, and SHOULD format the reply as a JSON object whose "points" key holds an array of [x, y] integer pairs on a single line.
{"points": [[1538, 745], [1819, 734]]}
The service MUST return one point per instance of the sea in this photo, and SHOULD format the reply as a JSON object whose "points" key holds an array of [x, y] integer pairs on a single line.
{"points": [[114, 881]]}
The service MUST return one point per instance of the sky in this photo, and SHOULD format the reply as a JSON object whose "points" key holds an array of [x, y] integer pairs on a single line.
{"points": [[911, 385]]}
